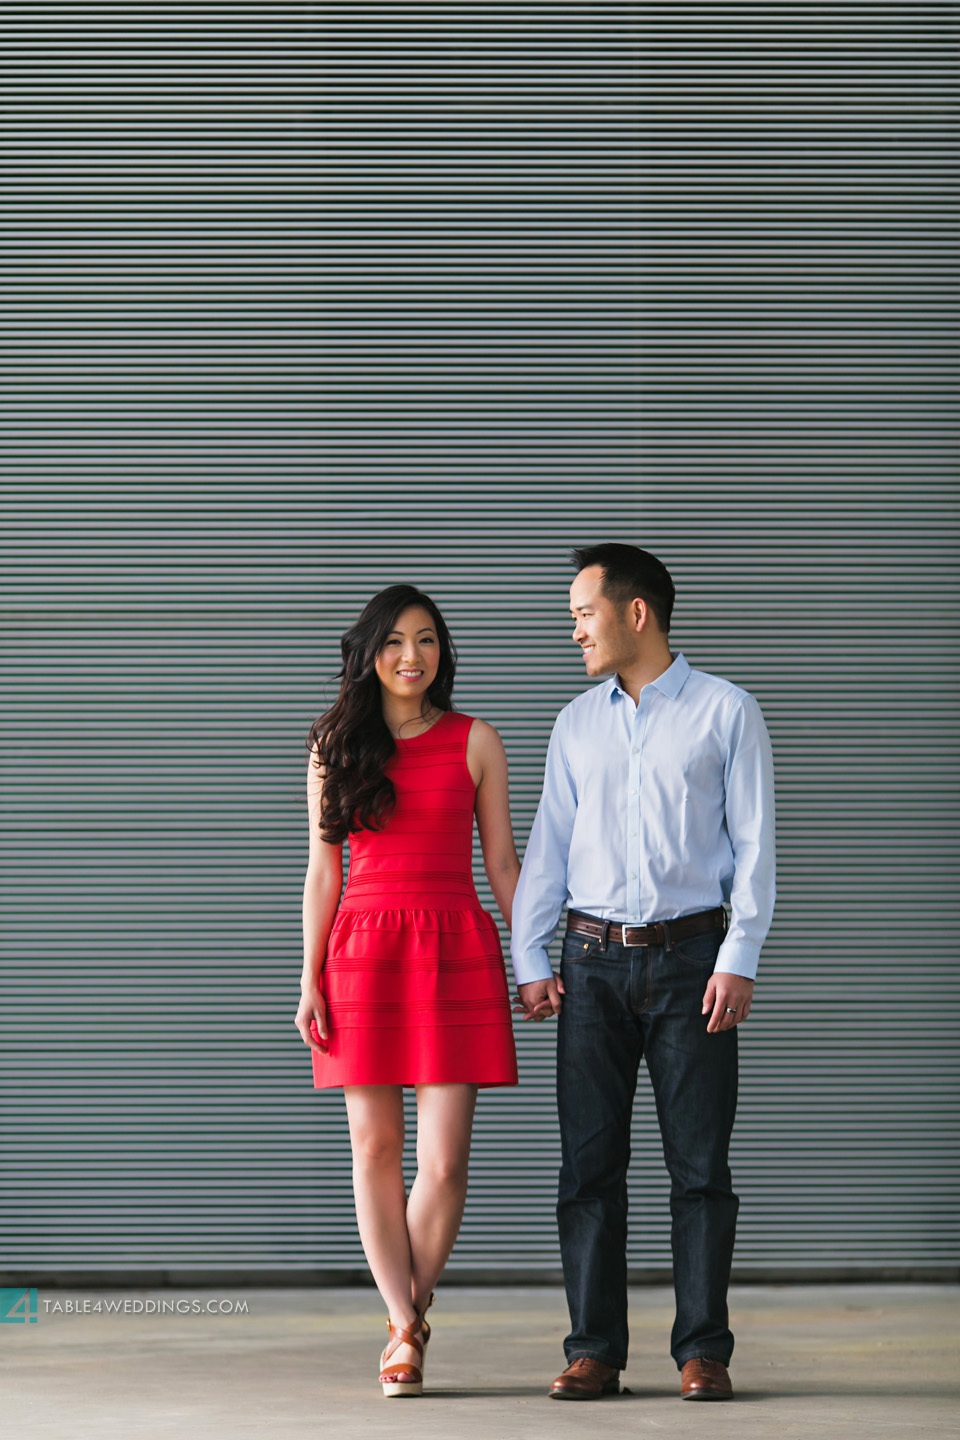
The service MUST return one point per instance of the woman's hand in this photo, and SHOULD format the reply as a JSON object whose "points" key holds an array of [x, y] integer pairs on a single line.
{"points": [[313, 1008]]}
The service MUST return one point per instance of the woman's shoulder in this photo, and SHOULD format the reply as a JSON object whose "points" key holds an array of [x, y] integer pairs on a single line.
{"points": [[481, 732], [466, 722]]}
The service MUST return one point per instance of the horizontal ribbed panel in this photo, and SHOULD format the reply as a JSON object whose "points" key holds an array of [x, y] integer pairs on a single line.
{"points": [[303, 300]]}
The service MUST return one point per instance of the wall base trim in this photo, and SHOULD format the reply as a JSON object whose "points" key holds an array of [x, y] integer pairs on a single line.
{"points": [[270, 1278]]}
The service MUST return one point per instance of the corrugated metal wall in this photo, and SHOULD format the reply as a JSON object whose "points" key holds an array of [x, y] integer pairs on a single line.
{"points": [[305, 299]]}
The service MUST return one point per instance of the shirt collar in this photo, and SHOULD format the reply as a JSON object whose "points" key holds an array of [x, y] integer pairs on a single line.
{"points": [[671, 682]]}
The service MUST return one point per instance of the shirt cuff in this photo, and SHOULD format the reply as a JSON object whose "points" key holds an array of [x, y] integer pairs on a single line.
{"points": [[530, 965], [738, 957]]}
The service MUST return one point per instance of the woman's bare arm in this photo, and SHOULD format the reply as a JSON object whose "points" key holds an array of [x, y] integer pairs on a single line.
{"points": [[321, 896], [487, 762]]}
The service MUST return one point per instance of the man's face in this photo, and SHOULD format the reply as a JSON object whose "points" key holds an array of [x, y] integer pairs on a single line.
{"points": [[601, 629]]}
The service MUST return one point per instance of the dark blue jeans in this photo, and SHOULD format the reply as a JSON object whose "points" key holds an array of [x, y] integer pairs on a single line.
{"points": [[622, 1004]]}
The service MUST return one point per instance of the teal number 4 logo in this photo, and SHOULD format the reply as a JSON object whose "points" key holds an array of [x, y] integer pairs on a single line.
{"points": [[18, 1307]]}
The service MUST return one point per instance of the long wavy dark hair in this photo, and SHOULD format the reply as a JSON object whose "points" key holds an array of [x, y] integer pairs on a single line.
{"points": [[352, 738]]}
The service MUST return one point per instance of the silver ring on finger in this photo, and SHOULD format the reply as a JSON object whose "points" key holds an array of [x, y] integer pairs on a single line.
{"points": [[730, 1012]]}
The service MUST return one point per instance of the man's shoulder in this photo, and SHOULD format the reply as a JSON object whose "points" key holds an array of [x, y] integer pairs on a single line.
{"points": [[717, 684], [719, 692]]}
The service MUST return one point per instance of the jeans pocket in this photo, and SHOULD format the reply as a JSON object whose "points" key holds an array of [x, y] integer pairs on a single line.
{"points": [[699, 950], [577, 947]]}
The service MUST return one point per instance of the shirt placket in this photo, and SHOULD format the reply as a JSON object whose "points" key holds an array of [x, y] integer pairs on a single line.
{"points": [[634, 813]]}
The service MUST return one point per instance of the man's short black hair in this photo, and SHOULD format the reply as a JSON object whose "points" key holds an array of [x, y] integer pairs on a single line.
{"points": [[629, 573]]}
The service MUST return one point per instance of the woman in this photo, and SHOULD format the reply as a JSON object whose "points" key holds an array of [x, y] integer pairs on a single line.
{"points": [[403, 979]]}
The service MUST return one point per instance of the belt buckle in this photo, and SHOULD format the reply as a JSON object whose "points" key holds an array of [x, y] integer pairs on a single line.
{"points": [[640, 925]]}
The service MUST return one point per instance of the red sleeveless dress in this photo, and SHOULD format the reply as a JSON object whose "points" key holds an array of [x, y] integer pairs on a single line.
{"points": [[414, 978]]}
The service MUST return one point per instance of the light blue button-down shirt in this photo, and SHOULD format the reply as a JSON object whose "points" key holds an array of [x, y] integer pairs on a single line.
{"points": [[650, 812]]}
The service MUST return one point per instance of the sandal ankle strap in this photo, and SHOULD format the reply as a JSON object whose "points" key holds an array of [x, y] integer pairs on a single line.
{"points": [[401, 1335]]}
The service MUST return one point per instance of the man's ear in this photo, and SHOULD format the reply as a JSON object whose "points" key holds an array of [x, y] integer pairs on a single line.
{"points": [[639, 612]]}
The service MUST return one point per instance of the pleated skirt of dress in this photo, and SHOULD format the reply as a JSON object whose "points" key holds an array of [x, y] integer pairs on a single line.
{"points": [[416, 996]]}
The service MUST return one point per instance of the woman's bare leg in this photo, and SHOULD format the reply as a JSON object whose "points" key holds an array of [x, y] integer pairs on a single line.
{"points": [[375, 1113], [437, 1196]]}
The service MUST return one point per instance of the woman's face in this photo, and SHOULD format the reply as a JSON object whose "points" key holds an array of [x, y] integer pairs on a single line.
{"points": [[408, 663]]}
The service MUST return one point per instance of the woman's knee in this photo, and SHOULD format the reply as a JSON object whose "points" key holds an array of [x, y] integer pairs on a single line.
{"points": [[444, 1170], [378, 1146]]}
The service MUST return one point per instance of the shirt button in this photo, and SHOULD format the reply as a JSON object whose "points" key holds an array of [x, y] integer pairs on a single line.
{"points": [[633, 874], [633, 792], [633, 832], [636, 749]]}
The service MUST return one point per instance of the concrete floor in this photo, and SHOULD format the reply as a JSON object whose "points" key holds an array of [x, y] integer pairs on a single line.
{"points": [[845, 1362]]}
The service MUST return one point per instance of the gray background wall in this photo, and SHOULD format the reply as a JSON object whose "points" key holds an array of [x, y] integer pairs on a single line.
{"points": [[307, 299]]}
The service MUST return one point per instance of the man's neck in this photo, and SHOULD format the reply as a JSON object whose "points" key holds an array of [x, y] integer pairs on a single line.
{"points": [[643, 671]]}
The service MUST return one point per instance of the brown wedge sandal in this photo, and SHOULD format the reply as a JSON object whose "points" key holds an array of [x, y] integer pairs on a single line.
{"points": [[390, 1382]]}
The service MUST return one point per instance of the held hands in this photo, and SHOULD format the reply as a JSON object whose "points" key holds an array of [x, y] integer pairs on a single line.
{"points": [[311, 1018], [727, 1000], [539, 999]]}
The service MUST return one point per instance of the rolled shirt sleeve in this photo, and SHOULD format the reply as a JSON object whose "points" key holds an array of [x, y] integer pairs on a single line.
{"points": [[749, 812], [542, 888]]}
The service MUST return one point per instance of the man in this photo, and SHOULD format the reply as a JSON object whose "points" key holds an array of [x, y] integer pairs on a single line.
{"points": [[657, 810]]}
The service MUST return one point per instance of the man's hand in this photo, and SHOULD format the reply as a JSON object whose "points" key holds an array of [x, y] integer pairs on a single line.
{"points": [[726, 993], [540, 999]]}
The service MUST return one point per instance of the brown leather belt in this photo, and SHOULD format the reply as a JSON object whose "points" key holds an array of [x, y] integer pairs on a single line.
{"points": [[655, 934]]}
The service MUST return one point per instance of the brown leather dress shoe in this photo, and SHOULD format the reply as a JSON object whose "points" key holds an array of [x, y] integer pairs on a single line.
{"points": [[585, 1379], [702, 1379]]}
